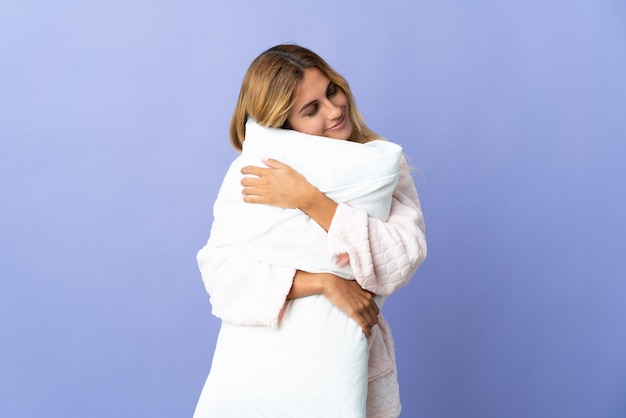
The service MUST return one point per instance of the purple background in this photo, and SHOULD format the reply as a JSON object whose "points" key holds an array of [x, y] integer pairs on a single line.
{"points": [[113, 141]]}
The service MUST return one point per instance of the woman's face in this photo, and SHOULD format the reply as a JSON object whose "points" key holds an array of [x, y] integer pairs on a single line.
{"points": [[320, 107]]}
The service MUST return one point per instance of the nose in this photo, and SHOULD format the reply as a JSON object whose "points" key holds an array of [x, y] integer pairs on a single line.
{"points": [[333, 111]]}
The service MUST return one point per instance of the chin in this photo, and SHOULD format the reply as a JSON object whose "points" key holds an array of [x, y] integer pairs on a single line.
{"points": [[348, 135], [344, 134], [340, 137]]}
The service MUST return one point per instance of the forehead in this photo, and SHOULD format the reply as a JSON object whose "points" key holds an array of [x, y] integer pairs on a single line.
{"points": [[313, 83]]}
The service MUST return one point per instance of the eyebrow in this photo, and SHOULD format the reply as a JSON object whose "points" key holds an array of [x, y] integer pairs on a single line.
{"points": [[312, 102]]}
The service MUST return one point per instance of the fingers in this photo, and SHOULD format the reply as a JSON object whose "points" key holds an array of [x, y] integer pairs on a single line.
{"points": [[366, 312], [252, 184], [250, 181], [259, 171], [354, 301], [370, 318], [367, 323], [251, 198], [273, 163], [254, 170]]}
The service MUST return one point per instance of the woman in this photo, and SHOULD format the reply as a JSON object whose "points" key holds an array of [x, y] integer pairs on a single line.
{"points": [[283, 347]]}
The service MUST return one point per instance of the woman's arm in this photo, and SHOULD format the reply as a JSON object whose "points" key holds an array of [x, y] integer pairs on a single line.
{"points": [[247, 291], [280, 185], [346, 295], [383, 255], [242, 290]]}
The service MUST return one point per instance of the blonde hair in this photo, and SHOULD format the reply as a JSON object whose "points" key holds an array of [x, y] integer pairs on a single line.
{"points": [[268, 92]]}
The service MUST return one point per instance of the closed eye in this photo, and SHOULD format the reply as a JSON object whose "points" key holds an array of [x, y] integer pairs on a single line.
{"points": [[331, 90], [312, 107], [313, 111]]}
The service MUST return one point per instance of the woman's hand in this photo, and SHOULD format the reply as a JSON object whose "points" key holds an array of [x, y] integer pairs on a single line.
{"points": [[281, 186], [346, 295], [276, 185], [354, 301]]}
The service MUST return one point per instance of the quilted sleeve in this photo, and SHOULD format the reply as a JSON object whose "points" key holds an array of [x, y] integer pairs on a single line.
{"points": [[242, 290], [383, 255]]}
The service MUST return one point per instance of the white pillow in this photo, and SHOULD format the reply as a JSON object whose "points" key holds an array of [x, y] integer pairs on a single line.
{"points": [[361, 175], [315, 364]]}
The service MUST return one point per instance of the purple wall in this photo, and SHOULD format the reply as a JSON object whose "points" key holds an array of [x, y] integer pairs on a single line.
{"points": [[113, 141]]}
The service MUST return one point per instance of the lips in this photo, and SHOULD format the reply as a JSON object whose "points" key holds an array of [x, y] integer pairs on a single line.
{"points": [[340, 124]]}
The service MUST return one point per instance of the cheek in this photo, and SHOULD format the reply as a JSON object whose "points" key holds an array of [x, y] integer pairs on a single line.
{"points": [[311, 126], [342, 100]]}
